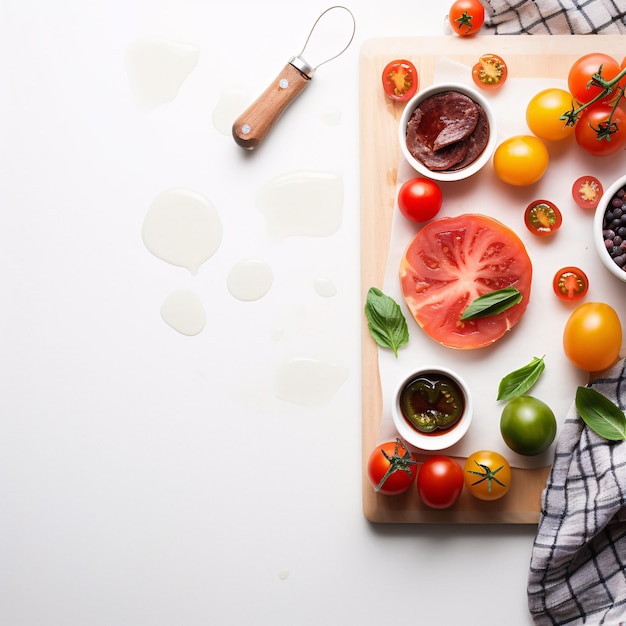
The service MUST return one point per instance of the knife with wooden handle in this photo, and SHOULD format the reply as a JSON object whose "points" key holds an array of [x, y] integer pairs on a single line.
{"points": [[253, 125]]}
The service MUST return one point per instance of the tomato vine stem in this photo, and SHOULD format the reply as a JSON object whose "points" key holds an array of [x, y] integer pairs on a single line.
{"points": [[605, 129], [486, 474], [397, 463]]}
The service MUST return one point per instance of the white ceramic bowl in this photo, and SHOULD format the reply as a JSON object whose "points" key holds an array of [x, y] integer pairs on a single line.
{"points": [[598, 237], [473, 167], [442, 438]]}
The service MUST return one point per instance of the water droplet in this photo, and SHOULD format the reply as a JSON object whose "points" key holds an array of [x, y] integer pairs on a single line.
{"points": [[302, 203], [230, 105], [183, 228], [308, 382], [157, 68], [183, 311], [325, 287], [250, 280]]}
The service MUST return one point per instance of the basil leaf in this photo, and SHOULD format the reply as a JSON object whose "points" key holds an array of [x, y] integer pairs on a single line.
{"points": [[519, 381], [602, 415], [385, 321], [492, 303]]}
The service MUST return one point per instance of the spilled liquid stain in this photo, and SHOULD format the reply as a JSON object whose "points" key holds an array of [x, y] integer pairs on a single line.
{"points": [[184, 312], [325, 287], [250, 280], [183, 228], [304, 202], [308, 382], [157, 68]]}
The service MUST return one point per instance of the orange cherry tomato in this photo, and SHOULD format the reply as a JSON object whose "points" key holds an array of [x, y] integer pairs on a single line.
{"points": [[521, 160], [592, 336], [543, 114], [487, 475], [466, 17]]}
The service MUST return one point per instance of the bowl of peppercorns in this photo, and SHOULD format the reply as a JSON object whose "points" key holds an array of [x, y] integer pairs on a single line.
{"points": [[610, 228]]}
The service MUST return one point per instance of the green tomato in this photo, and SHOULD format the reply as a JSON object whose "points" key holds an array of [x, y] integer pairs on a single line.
{"points": [[528, 425]]}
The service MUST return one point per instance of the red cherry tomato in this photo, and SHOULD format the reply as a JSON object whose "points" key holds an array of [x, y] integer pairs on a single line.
{"points": [[587, 191], [400, 80], [584, 68], [489, 72], [466, 17], [542, 218], [440, 482], [570, 284], [391, 468], [419, 199], [601, 130]]}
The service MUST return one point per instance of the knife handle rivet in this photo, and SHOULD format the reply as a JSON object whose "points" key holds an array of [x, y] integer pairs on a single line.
{"points": [[284, 83], [245, 129]]}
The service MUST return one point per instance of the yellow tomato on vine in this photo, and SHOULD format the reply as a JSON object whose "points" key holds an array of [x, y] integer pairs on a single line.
{"points": [[543, 114]]}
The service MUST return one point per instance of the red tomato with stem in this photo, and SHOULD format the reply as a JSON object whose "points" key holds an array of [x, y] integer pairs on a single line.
{"points": [[400, 80], [601, 130], [440, 482], [420, 199], [391, 468], [582, 71], [466, 17], [443, 270]]}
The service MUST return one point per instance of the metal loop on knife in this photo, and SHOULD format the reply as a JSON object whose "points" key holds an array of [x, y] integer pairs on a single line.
{"points": [[299, 62]]}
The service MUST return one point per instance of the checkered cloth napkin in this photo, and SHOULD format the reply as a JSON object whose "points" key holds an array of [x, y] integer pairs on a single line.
{"points": [[578, 564], [555, 17]]}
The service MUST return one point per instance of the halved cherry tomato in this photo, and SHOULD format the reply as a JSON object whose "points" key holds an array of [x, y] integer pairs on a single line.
{"points": [[489, 72], [391, 468], [587, 191], [570, 284], [400, 80], [466, 17], [420, 199], [443, 270], [487, 475], [601, 130], [440, 481], [542, 218]]}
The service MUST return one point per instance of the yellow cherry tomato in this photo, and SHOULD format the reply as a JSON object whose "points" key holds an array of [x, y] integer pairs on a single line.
{"points": [[521, 160], [543, 113], [487, 475], [592, 337]]}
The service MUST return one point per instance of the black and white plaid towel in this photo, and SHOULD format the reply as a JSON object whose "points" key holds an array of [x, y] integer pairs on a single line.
{"points": [[577, 569], [555, 17]]}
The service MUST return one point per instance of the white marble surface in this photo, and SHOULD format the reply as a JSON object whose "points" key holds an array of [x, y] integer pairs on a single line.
{"points": [[149, 478]]}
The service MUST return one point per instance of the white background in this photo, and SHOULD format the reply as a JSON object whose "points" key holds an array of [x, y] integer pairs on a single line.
{"points": [[153, 479]]}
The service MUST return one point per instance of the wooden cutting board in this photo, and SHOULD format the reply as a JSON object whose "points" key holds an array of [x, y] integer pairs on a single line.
{"points": [[526, 56]]}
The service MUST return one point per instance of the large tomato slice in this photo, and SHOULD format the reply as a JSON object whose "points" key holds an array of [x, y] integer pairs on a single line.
{"points": [[453, 260]]}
